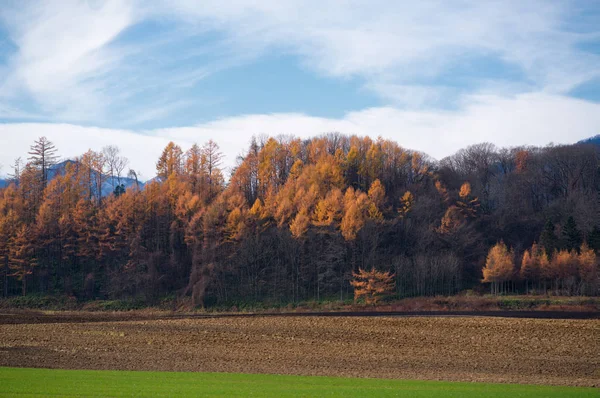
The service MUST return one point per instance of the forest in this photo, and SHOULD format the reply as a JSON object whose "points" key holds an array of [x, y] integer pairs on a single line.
{"points": [[296, 218]]}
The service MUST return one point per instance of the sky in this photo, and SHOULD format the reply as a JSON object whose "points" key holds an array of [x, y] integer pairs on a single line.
{"points": [[433, 75]]}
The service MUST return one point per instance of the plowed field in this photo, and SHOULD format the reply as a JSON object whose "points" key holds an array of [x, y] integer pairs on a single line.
{"points": [[537, 351]]}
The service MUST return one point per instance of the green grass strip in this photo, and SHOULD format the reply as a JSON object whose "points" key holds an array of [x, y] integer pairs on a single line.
{"points": [[24, 382]]}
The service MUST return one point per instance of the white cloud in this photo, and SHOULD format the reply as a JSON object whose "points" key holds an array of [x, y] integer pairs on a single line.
{"points": [[528, 119]]}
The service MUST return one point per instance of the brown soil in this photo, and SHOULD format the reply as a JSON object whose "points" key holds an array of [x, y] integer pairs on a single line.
{"points": [[541, 351]]}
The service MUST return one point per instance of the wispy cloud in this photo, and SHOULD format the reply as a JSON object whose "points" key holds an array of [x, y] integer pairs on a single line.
{"points": [[64, 59], [395, 44], [76, 60]]}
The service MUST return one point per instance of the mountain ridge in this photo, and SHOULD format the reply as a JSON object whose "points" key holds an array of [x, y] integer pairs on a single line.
{"points": [[108, 184]]}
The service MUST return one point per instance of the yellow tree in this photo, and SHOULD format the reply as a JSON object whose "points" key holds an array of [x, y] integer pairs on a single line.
{"points": [[258, 210], [195, 169], [528, 268], [353, 219], [372, 285], [532, 263], [299, 226], [588, 270], [376, 196], [564, 265], [451, 222], [22, 258], [406, 203], [10, 218], [499, 266], [170, 161], [329, 210], [90, 174], [442, 190], [467, 204]]}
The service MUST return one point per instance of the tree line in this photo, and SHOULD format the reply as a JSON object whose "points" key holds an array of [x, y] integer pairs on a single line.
{"points": [[296, 219]]}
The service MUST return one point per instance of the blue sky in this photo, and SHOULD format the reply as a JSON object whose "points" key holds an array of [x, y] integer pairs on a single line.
{"points": [[433, 75]]}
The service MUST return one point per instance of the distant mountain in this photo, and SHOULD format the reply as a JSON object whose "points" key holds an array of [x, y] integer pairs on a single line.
{"points": [[108, 183], [592, 140], [154, 179]]}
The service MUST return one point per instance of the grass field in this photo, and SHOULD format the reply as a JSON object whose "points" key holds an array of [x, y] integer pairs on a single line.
{"points": [[24, 382]]}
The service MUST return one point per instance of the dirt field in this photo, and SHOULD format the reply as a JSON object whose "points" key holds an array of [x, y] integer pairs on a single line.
{"points": [[539, 351]]}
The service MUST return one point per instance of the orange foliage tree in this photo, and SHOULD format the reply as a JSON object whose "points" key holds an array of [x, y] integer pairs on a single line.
{"points": [[295, 218], [564, 266], [534, 262], [372, 285], [499, 267], [588, 270]]}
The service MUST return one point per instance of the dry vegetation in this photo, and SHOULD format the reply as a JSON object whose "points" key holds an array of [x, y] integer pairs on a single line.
{"points": [[537, 351]]}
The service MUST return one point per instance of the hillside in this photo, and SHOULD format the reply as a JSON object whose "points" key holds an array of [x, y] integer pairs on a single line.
{"points": [[298, 220], [592, 140]]}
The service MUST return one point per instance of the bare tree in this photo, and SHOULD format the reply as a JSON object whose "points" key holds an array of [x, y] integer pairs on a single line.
{"points": [[115, 163], [213, 157], [43, 156], [17, 167], [134, 175]]}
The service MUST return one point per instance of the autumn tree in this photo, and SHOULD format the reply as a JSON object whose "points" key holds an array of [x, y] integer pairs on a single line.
{"points": [[499, 267], [467, 204], [328, 210], [22, 259], [522, 159], [300, 224], [10, 219], [354, 213], [30, 192], [195, 169], [170, 161], [372, 285], [564, 265], [534, 262], [296, 218], [406, 203], [452, 220], [90, 174], [588, 270]]}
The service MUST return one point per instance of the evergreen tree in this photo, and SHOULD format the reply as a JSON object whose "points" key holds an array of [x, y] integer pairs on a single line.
{"points": [[548, 239], [119, 190], [571, 236], [594, 239]]}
